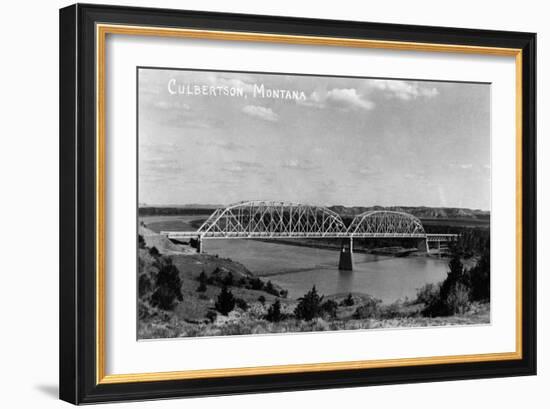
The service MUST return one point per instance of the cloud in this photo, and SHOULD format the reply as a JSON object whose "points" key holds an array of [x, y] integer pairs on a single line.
{"points": [[260, 112], [404, 90], [343, 98], [244, 82], [220, 143], [230, 145], [199, 123], [463, 166], [171, 104], [161, 165], [241, 166], [348, 97], [299, 164]]}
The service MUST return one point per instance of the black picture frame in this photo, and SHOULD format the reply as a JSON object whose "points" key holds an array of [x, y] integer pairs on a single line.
{"points": [[78, 236]]}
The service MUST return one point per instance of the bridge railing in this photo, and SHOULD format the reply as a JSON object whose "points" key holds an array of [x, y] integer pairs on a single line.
{"points": [[244, 235]]}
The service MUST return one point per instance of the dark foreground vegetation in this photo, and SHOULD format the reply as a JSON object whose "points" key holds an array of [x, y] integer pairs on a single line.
{"points": [[203, 295]]}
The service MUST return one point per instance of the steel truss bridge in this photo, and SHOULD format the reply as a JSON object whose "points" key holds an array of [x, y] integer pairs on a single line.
{"points": [[284, 220]]}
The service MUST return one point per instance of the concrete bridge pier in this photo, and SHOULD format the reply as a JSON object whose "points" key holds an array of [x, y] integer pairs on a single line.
{"points": [[197, 243], [422, 245], [346, 255]]}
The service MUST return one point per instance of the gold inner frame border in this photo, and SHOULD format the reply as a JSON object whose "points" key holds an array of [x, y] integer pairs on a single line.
{"points": [[102, 30]]}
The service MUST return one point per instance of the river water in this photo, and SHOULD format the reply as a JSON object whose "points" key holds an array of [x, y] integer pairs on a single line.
{"points": [[297, 269]]}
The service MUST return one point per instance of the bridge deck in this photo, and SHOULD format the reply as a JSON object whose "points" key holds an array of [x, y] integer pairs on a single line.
{"points": [[299, 235]]}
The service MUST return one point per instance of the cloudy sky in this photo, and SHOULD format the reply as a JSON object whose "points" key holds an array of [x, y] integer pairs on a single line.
{"points": [[348, 141]]}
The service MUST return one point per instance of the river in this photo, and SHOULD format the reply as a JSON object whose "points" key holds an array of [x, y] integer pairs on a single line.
{"points": [[297, 269]]}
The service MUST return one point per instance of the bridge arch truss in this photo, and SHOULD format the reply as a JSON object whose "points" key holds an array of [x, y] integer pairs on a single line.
{"points": [[386, 223], [272, 220]]}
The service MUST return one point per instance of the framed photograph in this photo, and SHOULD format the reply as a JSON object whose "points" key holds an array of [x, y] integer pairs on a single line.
{"points": [[257, 203]]}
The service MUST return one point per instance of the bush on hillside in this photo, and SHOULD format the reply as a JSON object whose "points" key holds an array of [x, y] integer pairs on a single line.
{"points": [[369, 309], [225, 302], [274, 312], [309, 306], [168, 285]]}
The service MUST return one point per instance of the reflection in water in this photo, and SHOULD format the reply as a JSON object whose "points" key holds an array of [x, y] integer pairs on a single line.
{"points": [[345, 281], [297, 269]]}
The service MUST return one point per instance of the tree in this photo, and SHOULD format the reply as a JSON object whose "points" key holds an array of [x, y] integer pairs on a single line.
{"points": [[211, 316], [168, 285], [480, 277], [256, 284], [309, 305], [228, 279], [270, 289], [369, 309], [153, 251], [141, 241], [242, 304], [202, 282], [261, 299], [454, 275], [452, 295], [274, 312], [226, 301], [458, 299], [348, 301], [330, 307]]}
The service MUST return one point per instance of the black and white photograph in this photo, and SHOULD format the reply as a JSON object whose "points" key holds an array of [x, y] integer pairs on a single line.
{"points": [[283, 203]]}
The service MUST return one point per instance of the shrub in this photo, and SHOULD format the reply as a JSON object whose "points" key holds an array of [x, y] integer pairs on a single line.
{"points": [[370, 309], [256, 284], [242, 304], [145, 285], [270, 289], [309, 306], [168, 285], [428, 294], [226, 302], [274, 312], [261, 299], [480, 277], [458, 299], [211, 315], [153, 251], [394, 310], [348, 301], [141, 241], [450, 297], [228, 279], [330, 307], [203, 280]]}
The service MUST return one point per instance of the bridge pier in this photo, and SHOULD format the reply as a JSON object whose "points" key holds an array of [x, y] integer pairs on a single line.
{"points": [[199, 244], [422, 245], [346, 255]]}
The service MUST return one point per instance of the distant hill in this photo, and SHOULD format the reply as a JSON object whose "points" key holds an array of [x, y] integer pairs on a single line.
{"points": [[176, 210], [181, 206], [422, 212]]}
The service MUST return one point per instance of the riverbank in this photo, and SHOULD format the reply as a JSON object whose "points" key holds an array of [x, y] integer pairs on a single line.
{"points": [[393, 251], [196, 314], [217, 295]]}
